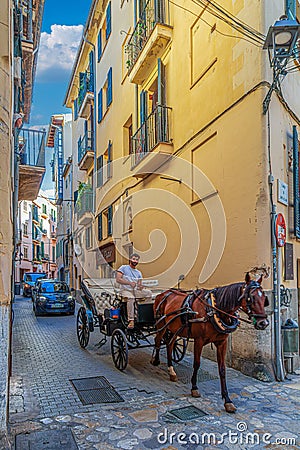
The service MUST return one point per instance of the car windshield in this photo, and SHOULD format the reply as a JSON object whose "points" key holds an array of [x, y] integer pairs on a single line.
{"points": [[34, 276], [58, 287]]}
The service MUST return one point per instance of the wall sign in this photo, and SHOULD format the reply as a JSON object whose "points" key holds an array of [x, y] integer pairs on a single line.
{"points": [[280, 230], [282, 192]]}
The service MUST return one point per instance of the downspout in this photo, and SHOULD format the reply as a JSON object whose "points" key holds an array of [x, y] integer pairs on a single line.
{"points": [[279, 373]]}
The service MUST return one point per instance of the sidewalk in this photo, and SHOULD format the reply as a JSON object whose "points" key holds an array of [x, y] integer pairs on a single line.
{"points": [[45, 405]]}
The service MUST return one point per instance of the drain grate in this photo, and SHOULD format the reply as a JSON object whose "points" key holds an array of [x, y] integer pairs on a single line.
{"points": [[187, 413], [95, 390], [46, 440], [185, 374]]}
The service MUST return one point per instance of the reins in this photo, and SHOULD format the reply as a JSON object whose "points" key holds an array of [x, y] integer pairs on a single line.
{"points": [[220, 310]]}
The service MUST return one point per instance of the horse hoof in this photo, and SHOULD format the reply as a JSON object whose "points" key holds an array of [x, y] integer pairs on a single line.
{"points": [[155, 362], [173, 378], [195, 393], [230, 408]]}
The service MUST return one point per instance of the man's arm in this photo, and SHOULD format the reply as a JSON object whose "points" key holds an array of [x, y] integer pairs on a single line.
{"points": [[120, 280]]}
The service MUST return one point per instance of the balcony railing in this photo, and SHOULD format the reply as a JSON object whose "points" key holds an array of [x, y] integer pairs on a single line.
{"points": [[31, 147], [86, 86], [84, 203], [153, 13], [153, 131], [85, 144]]}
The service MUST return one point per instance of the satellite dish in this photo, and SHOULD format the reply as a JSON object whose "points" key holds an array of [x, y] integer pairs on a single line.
{"points": [[77, 249]]}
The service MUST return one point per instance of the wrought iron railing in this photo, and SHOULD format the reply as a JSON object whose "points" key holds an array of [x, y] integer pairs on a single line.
{"points": [[85, 144], [153, 13], [31, 147], [84, 203], [155, 130], [86, 85]]}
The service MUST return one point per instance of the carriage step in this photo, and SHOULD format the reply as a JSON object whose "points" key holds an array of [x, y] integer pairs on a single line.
{"points": [[95, 390]]}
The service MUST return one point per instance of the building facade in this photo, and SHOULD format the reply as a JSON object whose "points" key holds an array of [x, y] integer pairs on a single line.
{"points": [[180, 162], [20, 23]]}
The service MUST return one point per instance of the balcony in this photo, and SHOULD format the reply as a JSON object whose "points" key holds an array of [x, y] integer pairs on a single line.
{"points": [[148, 41], [151, 144], [85, 94], [31, 149], [84, 206], [85, 151]]}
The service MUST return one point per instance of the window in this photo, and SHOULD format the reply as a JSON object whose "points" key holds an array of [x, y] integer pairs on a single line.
{"points": [[25, 209], [42, 249], [75, 109], [53, 253], [44, 209], [25, 229], [100, 105], [25, 252], [104, 168], [296, 183], [127, 137], [88, 237], [104, 32], [109, 88], [100, 229]]}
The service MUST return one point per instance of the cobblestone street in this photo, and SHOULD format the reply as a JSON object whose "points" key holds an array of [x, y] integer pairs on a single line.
{"points": [[46, 356]]}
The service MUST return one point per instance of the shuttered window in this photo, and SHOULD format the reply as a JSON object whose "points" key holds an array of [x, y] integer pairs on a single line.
{"points": [[108, 21], [100, 228], [100, 105], [100, 171], [99, 45], [75, 109], [109, 220], [109, 88], [109, 159]]}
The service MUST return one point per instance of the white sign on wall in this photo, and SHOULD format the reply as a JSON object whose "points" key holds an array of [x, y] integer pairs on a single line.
{"points": [[282, 192]]}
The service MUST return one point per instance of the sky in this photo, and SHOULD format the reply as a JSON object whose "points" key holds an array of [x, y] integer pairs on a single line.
{"points": [[62, 27]]}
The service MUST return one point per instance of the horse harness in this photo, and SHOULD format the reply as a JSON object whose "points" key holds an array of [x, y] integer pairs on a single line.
{"points": [[213, 314]]}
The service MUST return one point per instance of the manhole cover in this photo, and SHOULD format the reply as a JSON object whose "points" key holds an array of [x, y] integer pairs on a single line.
{"points": [[187, 413], [185, 374], [46, 440], [96, 390]]}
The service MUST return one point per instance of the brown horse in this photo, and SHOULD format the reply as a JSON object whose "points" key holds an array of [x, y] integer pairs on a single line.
{"points": [[207, 317]]}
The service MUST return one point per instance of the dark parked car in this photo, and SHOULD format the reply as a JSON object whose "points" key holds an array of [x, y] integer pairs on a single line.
{"points": [[29, 280], [52, 296]]}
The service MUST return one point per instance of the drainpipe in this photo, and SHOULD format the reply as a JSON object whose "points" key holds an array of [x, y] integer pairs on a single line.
{"points": [[279, 373]]}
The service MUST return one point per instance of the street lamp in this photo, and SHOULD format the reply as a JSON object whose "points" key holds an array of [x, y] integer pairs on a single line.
{"points": [[280, 43]]}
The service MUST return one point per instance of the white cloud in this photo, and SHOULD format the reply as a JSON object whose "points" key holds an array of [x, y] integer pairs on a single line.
{"points": [[57, 52]]}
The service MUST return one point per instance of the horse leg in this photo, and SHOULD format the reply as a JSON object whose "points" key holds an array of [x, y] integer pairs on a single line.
{"points": [[157, 342], [198, 345], [221, 352], [172, 373]]}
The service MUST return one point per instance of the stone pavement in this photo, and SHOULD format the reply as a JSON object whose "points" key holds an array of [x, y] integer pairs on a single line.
{"points": [[44, 403]]}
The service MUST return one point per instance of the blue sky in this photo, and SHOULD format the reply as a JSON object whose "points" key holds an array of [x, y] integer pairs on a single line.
{"points": [[62, 27]]}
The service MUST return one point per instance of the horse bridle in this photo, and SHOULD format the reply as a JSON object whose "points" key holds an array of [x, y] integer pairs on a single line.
{"points": [[248, 295]]}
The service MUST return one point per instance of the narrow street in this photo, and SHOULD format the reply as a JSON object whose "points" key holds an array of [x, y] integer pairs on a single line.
{"points": [[46, 412]]}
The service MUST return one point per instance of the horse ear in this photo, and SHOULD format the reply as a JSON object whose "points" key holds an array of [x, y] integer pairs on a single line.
{"points": [[247, 278]]}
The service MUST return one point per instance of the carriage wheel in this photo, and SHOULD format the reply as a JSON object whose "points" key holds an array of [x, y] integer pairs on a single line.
{"points": [[119, 349], [179, 349], [83, 332]]}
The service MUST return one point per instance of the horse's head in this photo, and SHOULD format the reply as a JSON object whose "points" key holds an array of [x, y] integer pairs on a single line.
{"points": [[253, 302]]}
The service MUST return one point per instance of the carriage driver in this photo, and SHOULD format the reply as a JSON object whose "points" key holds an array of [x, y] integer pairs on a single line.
{"points": [[131, 280]]}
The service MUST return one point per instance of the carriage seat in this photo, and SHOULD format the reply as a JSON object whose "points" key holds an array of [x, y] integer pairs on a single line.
{"points": [[104, 292], [147, 284]]}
